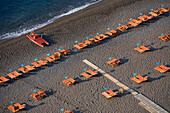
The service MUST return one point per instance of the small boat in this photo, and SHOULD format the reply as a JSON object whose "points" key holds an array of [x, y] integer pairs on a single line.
{"points": [[37, 39]]}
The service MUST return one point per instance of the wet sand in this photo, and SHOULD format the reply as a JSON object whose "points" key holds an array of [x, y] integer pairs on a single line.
{"points": [[85, 96]]}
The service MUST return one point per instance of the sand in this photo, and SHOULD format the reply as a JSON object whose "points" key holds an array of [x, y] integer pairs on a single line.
{"points": [[85, 96]]}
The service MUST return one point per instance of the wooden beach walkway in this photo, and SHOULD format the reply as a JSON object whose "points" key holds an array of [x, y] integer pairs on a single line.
{"points": [[144, 101]]}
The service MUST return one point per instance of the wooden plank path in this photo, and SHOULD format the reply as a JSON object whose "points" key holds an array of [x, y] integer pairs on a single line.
{"points": [[145, 102]]}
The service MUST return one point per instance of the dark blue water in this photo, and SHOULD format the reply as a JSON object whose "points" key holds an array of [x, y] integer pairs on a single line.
{"points": [[18, 17]]}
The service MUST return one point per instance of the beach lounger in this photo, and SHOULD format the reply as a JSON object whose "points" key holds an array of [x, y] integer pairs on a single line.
{"points": [[143, 18], [165, 37], [111, 34], [80, 45], [153, 14], [87, 42], [39, 95], [114, 62], [68, 112], [139, 79], [26, 69], [36, 64], [165, 9], [92, 72], [66, 52], [162, 69], [116, 32], [109, 93], [93, 40], [14, 74], [142, 49], [52, 58], [63, 52], [104, 36], [69, 81], [3, 80], [99, 37], [86, 75], [133, 24], [123, 28], [58, 54], [42, 62], [16, 107]]}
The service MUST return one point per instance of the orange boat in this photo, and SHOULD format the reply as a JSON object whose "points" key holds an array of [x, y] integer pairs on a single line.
{"points": [[37, 39]]}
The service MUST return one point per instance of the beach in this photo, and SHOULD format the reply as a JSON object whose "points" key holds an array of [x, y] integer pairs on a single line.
{"points": [[85, 96]]}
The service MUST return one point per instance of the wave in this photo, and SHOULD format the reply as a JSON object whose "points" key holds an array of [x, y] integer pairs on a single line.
{"points": [[35, 27]]}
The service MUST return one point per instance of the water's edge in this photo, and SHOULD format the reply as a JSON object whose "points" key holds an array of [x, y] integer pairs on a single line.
{"points": [[38, 26]]}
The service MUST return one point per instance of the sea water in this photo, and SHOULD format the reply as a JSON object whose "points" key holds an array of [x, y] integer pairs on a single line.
{"points": [[18, 17]]}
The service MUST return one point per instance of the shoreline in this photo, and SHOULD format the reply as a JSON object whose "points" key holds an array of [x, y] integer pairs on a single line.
{"points": [[86, 95], [50, 21]]}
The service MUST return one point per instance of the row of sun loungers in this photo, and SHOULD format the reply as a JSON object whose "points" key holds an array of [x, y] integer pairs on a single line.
{"points": [[122, 28], [36, 64]]}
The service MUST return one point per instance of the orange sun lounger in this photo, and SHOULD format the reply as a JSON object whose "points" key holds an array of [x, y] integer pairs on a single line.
{"points": [[87, 42], [80, 45], [89, 73], [39, 95], [3, 80], [114, 62], [162, 69], [93, 40], [109, 93], [68, 112], [42, 62], [16, 107], [14, 74], [92, 72], [136, 21], [144, 18], [52, 58], [123, 28], [133, 23], [86, 75], [139, 79], [63, 52], [153, 14], [27, 68], [113, 33], [165, 37], [69, 81], [142, 49], [165, 9], [101, 37], [36, 64]]}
